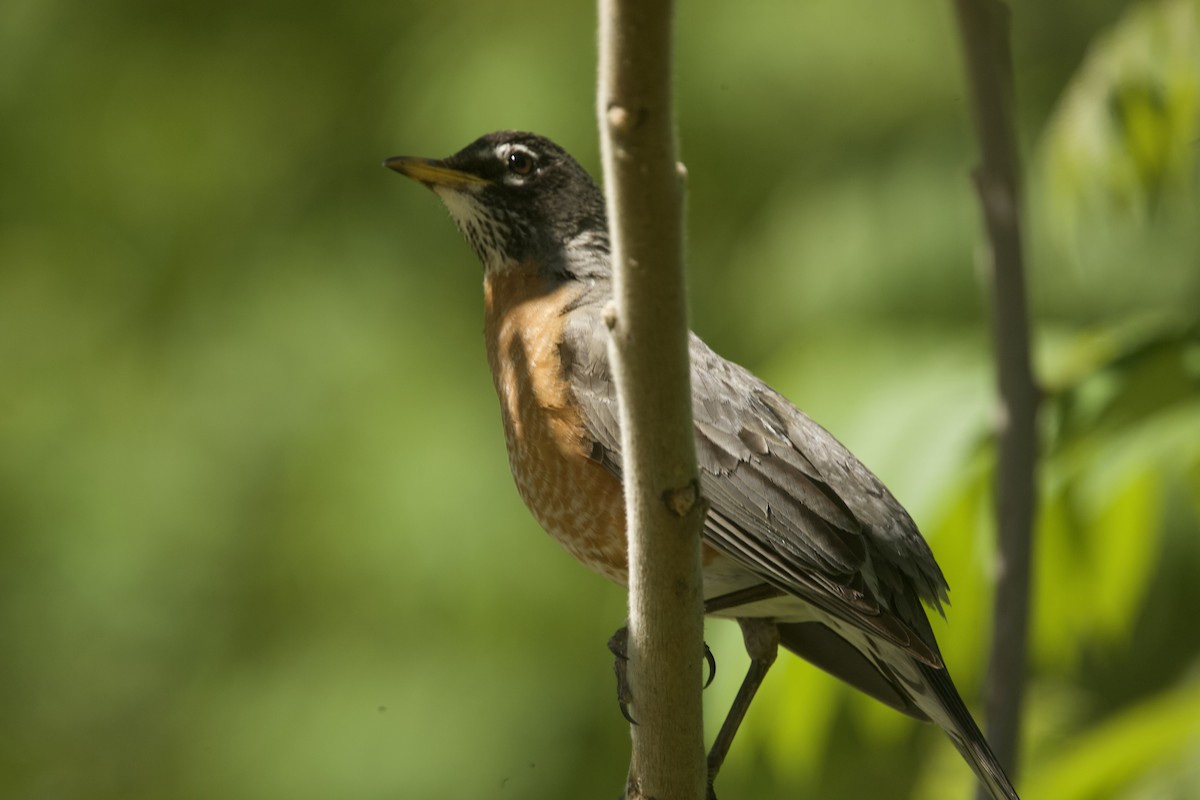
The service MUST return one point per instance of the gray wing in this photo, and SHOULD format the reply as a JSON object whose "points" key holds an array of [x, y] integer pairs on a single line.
{"points": [[788, 501]]}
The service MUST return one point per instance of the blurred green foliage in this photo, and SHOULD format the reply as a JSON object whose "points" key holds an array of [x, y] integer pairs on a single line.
{"points": [[257, 536]]}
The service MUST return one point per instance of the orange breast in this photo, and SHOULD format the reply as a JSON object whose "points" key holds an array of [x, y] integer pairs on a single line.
{"points": [[575, 499]]}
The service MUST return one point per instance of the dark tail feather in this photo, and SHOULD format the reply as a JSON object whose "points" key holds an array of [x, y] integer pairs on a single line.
{"points": [[967, 737], [931, 697]]}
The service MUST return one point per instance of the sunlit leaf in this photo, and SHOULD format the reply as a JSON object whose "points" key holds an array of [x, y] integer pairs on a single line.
{"points": [[1098, 762], [1124, 133]]}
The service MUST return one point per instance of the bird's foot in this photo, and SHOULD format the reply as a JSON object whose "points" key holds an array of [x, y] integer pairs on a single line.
{"points": [[618, 645]]}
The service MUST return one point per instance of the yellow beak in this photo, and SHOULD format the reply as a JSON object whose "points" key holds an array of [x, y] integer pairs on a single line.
{"points": [[431, 172]]}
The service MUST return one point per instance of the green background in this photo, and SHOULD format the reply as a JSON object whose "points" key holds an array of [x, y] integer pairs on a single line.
{"points": [[257, 534]]}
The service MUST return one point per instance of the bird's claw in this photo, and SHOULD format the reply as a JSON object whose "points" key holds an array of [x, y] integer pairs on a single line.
{"points": [[618, 645], [711, 660]]}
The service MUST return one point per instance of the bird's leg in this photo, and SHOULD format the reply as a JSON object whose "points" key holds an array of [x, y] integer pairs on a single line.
{"points": [[618, 645], [762, 644]]}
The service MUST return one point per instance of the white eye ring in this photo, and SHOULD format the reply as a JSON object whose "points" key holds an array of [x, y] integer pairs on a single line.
{"points": [[520, 162]]}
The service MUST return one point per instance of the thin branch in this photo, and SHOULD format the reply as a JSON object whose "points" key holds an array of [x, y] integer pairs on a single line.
{"points": [[984, 30], [649, 351]]}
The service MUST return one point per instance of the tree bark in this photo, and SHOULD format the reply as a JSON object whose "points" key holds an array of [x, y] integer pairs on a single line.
{"points": [[649, 353], [984, 32]]}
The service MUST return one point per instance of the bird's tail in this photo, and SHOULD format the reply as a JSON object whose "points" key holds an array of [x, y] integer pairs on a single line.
{"points": [[954, 718], [895, 677], [907, 684]]}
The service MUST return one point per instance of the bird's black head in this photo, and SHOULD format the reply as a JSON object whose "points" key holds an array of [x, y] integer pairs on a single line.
{"points": [[519, 198]]}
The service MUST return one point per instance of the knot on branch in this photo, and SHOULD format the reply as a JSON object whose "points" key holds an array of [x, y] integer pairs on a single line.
{"points": [[623, 120], [633, 788], [683, 500], [619, 117], [610, 316]]}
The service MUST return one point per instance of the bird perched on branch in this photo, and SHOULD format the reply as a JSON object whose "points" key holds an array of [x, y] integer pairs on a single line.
{"points": [[802, 544]]}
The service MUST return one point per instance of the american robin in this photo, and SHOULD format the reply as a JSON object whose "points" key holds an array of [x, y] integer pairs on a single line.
{"points": [[803, 545]]}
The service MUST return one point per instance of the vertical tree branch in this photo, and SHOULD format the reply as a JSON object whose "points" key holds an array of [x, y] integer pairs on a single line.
{"points": [[984, 31], [649, 351]]}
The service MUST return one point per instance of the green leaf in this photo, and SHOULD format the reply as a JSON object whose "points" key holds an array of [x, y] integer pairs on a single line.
{"points": [[1097, 763]]}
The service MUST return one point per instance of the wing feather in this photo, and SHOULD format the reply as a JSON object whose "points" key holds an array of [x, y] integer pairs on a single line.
{"points": [[788, 501]]}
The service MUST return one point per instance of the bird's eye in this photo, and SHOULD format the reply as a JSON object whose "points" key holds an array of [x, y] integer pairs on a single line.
{"points": [[520, 162]]}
